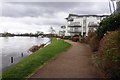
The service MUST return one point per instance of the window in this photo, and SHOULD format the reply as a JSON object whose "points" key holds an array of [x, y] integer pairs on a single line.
{"points": [[76, 29]]}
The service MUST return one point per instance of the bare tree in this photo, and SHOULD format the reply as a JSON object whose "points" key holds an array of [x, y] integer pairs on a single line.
{"points": [[52, 31]]}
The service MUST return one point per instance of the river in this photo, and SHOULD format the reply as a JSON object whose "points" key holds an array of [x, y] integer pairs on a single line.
{"points": [[14, 47]]}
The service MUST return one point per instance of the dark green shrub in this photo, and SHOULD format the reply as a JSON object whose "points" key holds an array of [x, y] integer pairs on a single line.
{"points": [[110, 23], [67, 37]]}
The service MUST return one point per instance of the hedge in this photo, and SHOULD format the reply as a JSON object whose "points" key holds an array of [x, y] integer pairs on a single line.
{"points": [[110, 23]]}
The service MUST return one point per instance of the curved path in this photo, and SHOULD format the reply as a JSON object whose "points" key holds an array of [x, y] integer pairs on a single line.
{"points": [[76, 62]]}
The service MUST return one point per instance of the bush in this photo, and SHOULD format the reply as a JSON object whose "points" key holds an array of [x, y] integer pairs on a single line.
{"points": [[92, 40], [67, 37], [90, 35], [82, 40], [110, 23], [109, 54], [94, 43]]}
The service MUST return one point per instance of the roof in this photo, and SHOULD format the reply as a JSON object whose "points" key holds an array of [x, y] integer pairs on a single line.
{"points": [[86, 15]]}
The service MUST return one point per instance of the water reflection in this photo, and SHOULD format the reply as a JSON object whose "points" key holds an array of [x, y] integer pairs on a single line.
{"points": [[14, 46]]}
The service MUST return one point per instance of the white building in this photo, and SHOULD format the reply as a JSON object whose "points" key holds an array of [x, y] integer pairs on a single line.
{"points": [[82, 24]]}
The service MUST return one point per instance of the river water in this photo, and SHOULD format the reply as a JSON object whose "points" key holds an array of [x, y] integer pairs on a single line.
{"points": [[15, 46]]}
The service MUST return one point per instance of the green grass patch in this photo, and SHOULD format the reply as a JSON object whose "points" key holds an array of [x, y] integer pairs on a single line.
{"points": [[31, 63]]}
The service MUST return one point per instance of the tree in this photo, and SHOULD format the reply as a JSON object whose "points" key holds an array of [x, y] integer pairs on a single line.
{"points": [[52, 31]]}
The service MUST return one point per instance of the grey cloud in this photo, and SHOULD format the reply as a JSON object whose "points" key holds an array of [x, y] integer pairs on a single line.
{"points": [[41, 15], [47, 9], [55, 0], [92, 8], [21, 9]]}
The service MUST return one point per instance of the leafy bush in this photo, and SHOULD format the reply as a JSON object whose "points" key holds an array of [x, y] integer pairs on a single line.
{"points": [[110, 23], [109, 54], [94, 43], [82, 40], [90, 35]]}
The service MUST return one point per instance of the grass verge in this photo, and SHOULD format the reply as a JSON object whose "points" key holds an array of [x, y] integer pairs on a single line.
{"points": [[29, 64]]}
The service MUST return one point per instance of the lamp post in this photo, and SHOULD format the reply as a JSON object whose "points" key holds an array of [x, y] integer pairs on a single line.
{"points": [[110, 6], [113, 5]]}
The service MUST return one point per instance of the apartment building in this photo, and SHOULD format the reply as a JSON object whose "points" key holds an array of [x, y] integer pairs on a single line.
{"points": [[82, 24]]}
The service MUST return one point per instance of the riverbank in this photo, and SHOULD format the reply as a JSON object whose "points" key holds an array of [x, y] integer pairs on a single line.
{"points": [[35, 61]]}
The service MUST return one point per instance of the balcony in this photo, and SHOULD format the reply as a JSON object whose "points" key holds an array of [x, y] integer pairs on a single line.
{"points": [[70, 19], [74, 30], [93, 24], [74, 24]]}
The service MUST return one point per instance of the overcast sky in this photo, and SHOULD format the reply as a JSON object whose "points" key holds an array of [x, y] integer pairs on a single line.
{"points": [[22, 17]]}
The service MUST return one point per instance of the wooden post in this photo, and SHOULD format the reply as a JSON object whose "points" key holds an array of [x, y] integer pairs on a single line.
{"points": [[21, 54], [11, 59], [51, 40]]}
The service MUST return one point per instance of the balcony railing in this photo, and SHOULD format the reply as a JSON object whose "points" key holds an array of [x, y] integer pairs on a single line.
{"points": [[74, 24], [70, 19], [74, 30], [93, 24]]}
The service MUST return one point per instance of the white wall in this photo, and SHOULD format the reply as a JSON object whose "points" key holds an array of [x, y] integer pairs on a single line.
{"points": [[91, 19], [84, 27]]}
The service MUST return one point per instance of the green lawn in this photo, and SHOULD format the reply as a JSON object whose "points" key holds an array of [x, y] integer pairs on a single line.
{"points": [[30, 64]]}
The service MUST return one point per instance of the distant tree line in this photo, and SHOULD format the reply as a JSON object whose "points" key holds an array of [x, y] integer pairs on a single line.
{"points": [[7, 34]]}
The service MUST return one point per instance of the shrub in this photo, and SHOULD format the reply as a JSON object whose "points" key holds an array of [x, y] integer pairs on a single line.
{"points": [[90, 35], [82, 40], [109, 54], [36, 47], [94, 43], [67, 37], [92, 40], [110, 23]]}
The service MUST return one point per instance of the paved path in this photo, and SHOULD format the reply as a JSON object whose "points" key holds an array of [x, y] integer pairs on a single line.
{"points": [[76, 62]]}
